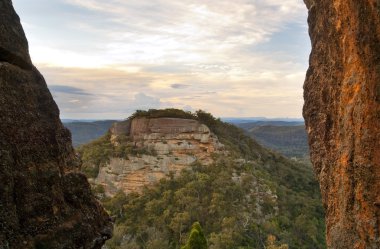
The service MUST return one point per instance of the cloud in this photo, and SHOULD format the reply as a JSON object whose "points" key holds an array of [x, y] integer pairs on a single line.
{"points": [[142, 101], [67, 89], [179, 86], [265, 93], [162, 32], [235, 58]]}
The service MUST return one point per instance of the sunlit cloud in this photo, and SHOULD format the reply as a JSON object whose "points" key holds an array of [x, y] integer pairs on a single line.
{"points": [[235, 58]]}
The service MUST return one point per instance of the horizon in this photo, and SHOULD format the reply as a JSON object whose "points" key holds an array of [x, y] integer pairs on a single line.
{"points": [[108, 59], [226, 119]]}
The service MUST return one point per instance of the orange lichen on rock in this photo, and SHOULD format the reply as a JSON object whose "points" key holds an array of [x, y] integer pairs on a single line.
{"points": [[342, 116]]}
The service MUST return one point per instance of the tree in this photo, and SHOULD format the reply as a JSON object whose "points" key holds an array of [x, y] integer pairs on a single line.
{"points": [[197, 239]]}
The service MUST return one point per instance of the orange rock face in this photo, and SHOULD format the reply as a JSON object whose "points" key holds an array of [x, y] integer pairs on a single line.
{"points": [[342, 114], [166, 145]]}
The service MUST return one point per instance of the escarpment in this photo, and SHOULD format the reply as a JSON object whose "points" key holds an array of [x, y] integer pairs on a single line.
{"points": [[151, 148], [45, 202], [219, 176], [342, 114]]}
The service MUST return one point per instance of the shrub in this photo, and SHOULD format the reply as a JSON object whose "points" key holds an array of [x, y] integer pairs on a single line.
{"points": [[197, 239]]}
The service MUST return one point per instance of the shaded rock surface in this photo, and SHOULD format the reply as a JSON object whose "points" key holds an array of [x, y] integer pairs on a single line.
{"points": [[165, 145], [45, 202], [342, 114]]}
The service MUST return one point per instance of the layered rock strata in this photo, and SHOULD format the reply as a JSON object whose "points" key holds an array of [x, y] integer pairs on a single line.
{"points": [[44, 202], [342, 114], [165, 144]]}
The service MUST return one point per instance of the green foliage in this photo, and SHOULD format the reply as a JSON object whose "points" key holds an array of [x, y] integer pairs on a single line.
{"points": [[197, 239], [172, 205], [227, 209], [98, 189], [115, 205], [95, 154], [162, 113]]}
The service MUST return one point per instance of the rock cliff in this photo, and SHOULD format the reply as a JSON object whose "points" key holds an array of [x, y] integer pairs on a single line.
{"points": [[44, 202], [342, 113], [156, 147]]}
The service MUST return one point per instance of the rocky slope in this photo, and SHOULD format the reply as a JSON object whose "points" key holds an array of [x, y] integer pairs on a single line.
{"points": [[45, 202], [342, 113], [154, 148]]}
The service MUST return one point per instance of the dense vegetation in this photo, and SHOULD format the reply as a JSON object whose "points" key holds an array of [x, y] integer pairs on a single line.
{"points": [[247, 198], [288, 138], [163, 113]]}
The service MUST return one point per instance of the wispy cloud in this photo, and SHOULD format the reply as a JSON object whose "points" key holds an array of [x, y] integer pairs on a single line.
{"points": [[235, 58]]}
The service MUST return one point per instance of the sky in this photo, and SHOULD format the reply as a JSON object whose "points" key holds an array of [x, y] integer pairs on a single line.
{"points": [[105, 59]]}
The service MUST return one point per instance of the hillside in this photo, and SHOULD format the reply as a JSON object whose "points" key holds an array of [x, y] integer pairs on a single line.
{"points": [[243, 194], [288, 138]]}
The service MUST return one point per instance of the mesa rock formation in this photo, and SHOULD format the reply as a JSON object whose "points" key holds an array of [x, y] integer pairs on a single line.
{"points": [[342, 114], [161, 145], [44, 202]]}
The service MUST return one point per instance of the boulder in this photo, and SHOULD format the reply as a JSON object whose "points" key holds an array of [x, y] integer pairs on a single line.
{"points": [[45, 202]]}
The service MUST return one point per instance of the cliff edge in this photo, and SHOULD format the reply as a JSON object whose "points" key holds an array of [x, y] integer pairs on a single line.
{"points": [[45, 202], [342, 114], [152, 148]]}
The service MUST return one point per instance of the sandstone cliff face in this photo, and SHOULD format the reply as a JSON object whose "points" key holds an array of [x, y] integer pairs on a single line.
{"points": [[342, 113], [44, 201], [165, 144]]}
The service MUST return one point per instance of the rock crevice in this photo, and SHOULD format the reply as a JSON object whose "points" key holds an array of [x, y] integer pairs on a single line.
{"points": [[6, 56]]}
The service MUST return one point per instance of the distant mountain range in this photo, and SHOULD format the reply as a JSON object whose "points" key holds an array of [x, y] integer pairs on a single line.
{"points": [[286, 136], [233, 120], [85, 131]]}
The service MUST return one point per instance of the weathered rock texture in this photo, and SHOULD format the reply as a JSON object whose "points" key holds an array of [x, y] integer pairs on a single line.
{"points": [[44, 202], [342, 113], [165, 144]]}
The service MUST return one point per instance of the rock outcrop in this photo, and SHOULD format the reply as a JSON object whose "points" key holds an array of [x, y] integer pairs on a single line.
{"points": [[44, 202], [342, 114], [161, 145]]}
